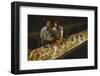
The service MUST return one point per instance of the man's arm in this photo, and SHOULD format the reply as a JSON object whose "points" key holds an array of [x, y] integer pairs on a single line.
{"points": [[61, 32]]}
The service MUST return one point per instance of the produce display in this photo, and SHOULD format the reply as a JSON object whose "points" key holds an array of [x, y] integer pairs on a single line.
{"points": [[58, 48]]}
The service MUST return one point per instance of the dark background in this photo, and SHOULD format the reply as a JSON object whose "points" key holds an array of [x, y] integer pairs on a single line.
{"points": [[70, 25]]}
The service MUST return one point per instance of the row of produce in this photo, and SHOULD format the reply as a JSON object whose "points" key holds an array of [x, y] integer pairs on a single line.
{"points": [[58, 48]]}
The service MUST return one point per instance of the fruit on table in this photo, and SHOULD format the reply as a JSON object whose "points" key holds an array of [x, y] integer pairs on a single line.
{"points": [[37, 54], [57, 48]]}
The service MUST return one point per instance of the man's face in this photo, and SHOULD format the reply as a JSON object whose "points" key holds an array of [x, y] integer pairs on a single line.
{"points": [[48, 24], [55, 24]]}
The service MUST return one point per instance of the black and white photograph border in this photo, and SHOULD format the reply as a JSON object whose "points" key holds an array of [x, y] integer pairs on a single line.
{"points": [[19, 24]]}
